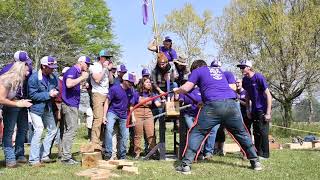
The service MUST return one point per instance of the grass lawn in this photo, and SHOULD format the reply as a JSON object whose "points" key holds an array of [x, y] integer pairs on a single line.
{"points": [[283, 164]]}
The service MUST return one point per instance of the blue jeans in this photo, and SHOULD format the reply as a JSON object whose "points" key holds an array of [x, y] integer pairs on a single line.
{"points": [[209, 145], [123, 139], [11, 117], [224, 112], [40, 151]]}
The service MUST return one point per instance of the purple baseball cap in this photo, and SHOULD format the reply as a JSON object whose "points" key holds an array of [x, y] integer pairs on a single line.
{"points": [[128, 77], [49, 61], [84, 59], [122, 68], [145, 72], [22, 56], [216, 63], [167, 39]]}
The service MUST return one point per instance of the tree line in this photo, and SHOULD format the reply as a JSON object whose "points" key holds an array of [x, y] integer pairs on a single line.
{"points": [[61, 28]]}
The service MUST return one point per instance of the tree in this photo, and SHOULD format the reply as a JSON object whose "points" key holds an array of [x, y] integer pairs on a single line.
{"points": [[62, 28], [303, 108], [281, 37], [93, 28], [191, 29]]}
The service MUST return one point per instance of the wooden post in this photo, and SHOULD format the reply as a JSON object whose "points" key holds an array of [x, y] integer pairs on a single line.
{"points": [[90, 160], [155, 24]]}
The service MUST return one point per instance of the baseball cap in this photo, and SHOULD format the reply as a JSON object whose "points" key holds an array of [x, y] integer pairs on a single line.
{"points": [[167, 39], [145, 72], [128, 77], [247, 63], [122, 68], [104, 53], [22, 56], [65, 69], [49, 61], [84, 59], [216, 63], [114, 66], [181, 60]]}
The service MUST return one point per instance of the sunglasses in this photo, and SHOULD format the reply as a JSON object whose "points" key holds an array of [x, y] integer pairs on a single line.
{"points": [[242, 67]]}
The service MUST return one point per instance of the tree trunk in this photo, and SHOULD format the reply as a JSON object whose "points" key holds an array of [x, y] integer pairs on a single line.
{"points": [[287, 118], [311, 110]]}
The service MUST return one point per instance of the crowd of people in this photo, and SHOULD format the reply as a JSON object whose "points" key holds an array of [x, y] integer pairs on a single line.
{"points": [[51, 101]]}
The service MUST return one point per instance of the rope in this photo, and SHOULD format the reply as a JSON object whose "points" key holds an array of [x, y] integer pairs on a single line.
{"points": [[296, 129], [128, 125]]}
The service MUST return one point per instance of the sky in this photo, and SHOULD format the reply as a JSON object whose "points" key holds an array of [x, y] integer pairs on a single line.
{"points": [[134, 37]]}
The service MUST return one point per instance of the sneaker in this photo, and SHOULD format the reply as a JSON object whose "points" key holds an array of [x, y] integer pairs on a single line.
{"points": [[106, 157], [137, 157], [12, 165], [218, 152], [262, 158], [69, 162], [22, 160], [256, 165], [48, 160], [208, 156], [184, 169], [200, 157], [36, 165]]}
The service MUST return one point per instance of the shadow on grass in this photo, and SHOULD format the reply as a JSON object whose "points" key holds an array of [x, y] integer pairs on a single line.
{"points": [[212, 161], [56, 155]]}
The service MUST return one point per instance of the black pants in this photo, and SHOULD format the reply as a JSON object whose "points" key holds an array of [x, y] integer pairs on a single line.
{"points": [[260, 132]]}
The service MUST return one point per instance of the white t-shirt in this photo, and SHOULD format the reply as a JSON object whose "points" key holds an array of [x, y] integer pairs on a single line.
{"points": [[103, 86]]}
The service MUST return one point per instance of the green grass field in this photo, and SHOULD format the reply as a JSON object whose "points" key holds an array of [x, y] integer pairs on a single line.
{"points": [[283, 164]]}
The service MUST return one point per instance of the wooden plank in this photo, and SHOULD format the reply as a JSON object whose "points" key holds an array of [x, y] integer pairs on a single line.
{"points": [[90, 160], [273, 146], [133, 170], [126, 163], [86, 148], [172, 108], [305, 145], [106, 165], [102, 174], [88, 172], [316, 144], [121, 163]]}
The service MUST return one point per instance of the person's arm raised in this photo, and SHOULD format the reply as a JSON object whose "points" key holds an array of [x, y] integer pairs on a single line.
{"points": [[73, 82]]}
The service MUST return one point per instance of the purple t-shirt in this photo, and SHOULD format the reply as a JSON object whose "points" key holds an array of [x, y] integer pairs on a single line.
{"points": [[196, 99], [170, 53], [119, 100], [255, 87], [242, 97], [213, 84], [71, 96], [230, 77]]}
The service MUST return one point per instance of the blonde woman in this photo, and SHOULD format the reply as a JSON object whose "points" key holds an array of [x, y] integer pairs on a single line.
{"points": [[11, 89], [11, 82]]}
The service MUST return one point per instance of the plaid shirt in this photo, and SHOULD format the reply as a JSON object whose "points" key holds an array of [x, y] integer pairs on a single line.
{"points": [[158, 78]]}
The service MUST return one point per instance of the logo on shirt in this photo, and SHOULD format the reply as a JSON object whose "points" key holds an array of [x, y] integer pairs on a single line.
{"points": [[216, 73]]}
